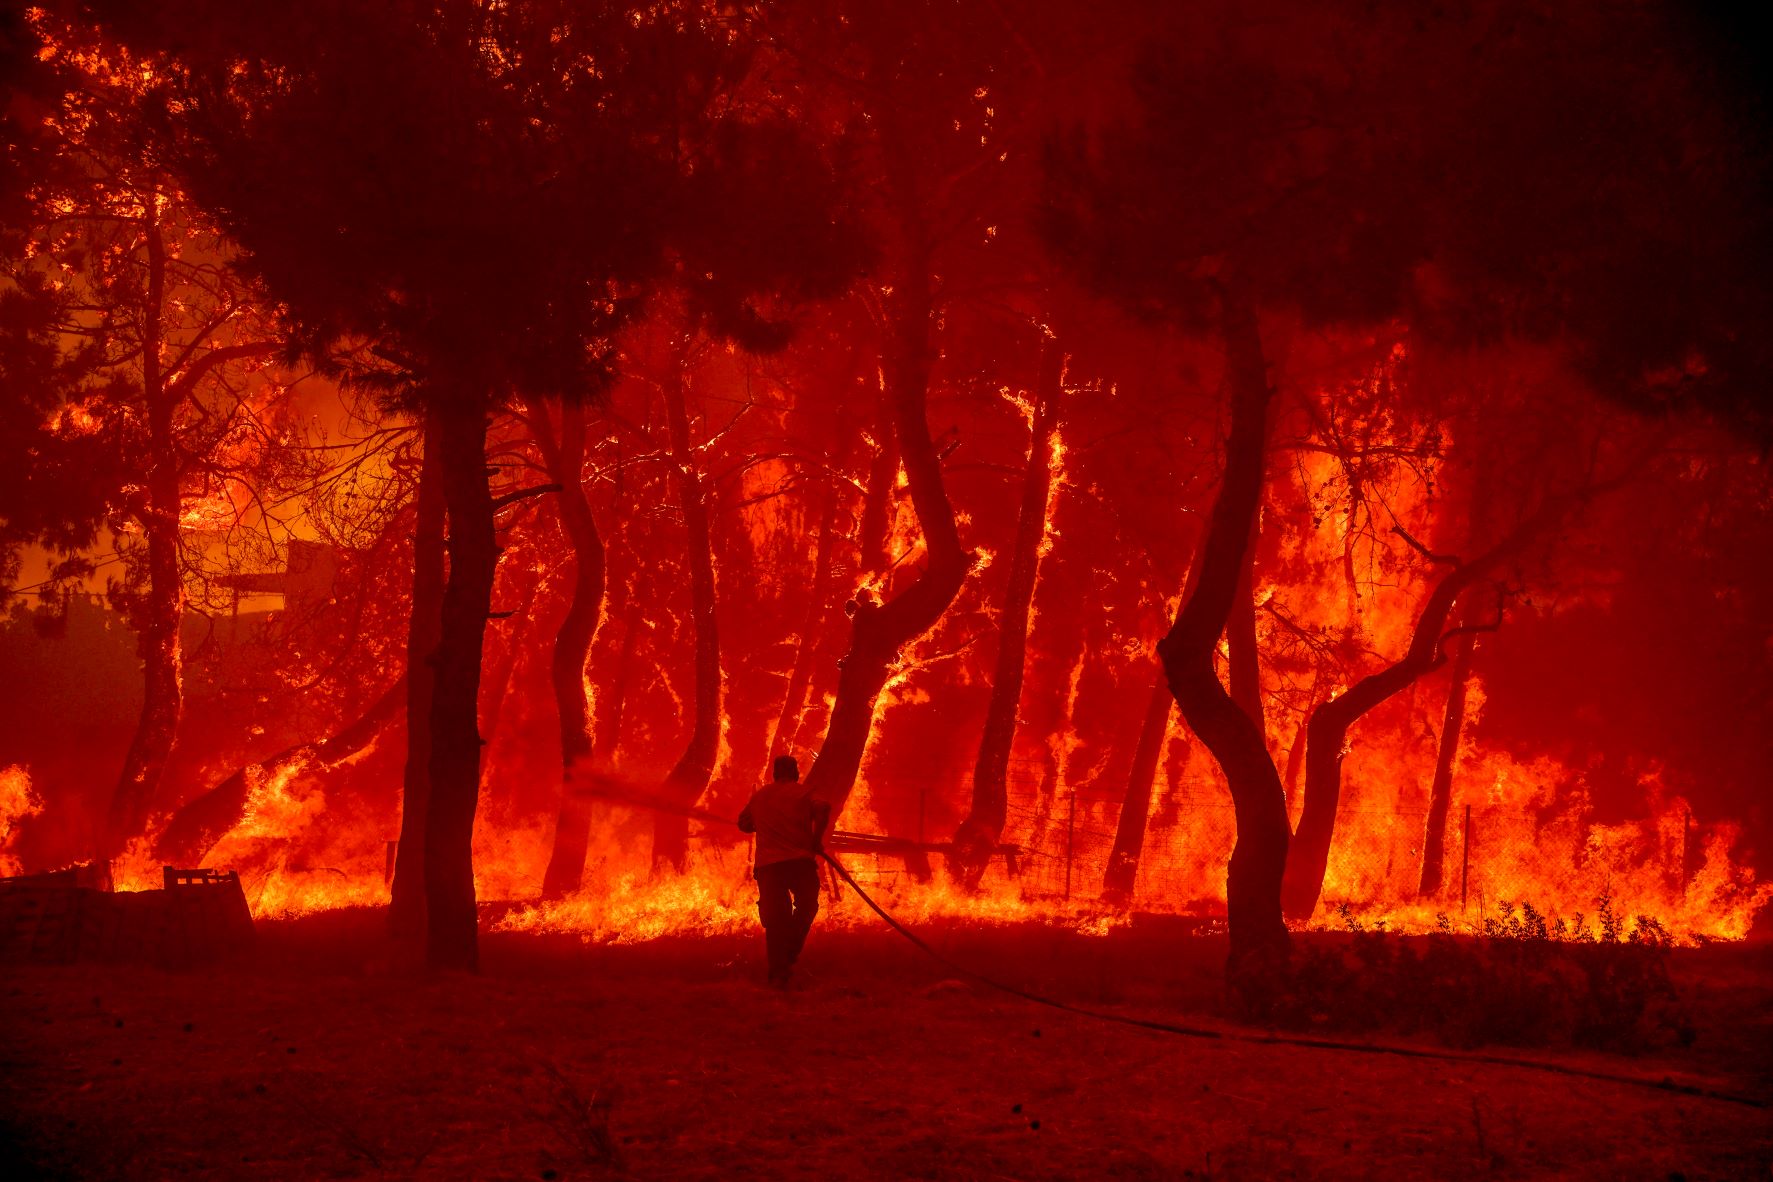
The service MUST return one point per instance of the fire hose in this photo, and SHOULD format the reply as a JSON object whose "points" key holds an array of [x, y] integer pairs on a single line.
{"points": [[1665, 1084]]}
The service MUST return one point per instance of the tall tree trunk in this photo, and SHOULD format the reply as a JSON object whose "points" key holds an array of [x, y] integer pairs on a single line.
{"points": [[982, 828], [1258, 936], [879, 632], [806, 641], [689, 778], [1129, 831], [195, 828], [1243, 658], [163, 611], [1440, 794], [565, 458], [424, 631], [451, 919]]}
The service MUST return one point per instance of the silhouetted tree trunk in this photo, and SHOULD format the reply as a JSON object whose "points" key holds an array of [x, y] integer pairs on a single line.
{"points": [[1253, 882], [818, 604], [406, 911], [1129, 831], [982, 828], [879, 632], [451, 921], [195, 828], [163, 607], [565, 458], [1243, 657], [1440, 794], [689, 778]]}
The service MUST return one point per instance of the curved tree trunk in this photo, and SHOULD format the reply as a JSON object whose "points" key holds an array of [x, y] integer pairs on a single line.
{"points": [[163, 610], [451, 920], [1440, 795], [1135, 810], [565, 458], [879, 632], [406, 911], [689, 778], [195, 828], [1258, 936], [982, 828]]}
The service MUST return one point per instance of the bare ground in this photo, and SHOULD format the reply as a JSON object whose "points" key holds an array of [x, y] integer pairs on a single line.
{"points": [[668, 1060]]}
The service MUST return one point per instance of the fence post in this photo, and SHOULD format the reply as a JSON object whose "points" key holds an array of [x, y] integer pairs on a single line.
{"points": [[1465, 860], [1070, 829]]}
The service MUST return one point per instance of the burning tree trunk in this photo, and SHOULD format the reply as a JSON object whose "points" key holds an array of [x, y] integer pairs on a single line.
{"points": [[451, 921], [1327, 732], [1253, 882], [979, 833], [879, 632], [163, 610], [406, 911], [689, 778], [1129, 832], [1440, 795], [812, 622], [195, 828], [565, 458]]}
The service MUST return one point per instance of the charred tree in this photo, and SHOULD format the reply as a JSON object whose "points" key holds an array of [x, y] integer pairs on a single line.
{"points": [[162, 611], [1253, 882], [1129, 831], [689, 778], [196, 827], [452, 933], [565, 458], [879, 632], [982, 828], [1440, 794], [406, 911]]}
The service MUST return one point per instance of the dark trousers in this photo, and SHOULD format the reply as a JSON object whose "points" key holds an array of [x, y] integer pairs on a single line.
{"points": [[787, 900]]}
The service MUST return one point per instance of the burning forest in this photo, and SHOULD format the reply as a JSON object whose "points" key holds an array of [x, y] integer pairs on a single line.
{"points": [[1248, 525]]}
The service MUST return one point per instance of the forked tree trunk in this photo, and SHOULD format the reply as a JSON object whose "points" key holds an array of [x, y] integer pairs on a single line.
{"points": [[451, 921], [195, 828], [1326, 735], [1440, 794], [1135, 810], [1258, 936], [406, 911], [879, 632], [565, 458], [144, 766], [982, 828], [689, 778]]}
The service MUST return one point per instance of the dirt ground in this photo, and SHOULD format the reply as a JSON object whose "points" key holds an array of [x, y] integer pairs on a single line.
{"points": [[669, 1060]]}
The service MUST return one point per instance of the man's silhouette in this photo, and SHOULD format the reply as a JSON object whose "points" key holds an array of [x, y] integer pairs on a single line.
{"points": [[789, 826]]}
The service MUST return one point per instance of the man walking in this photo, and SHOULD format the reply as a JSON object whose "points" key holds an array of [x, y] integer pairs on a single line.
{"points": [[789, 826]]}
